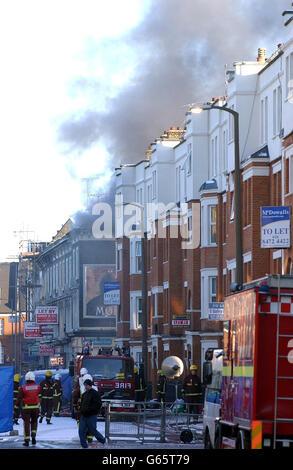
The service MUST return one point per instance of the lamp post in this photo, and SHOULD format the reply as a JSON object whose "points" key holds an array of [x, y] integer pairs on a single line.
{"points": [[237, 184], [144, 326]]}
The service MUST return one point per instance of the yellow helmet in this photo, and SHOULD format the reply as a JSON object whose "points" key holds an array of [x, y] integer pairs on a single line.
{"points": [[135, 370], [17, 378], [48, 373], [193, 367], [160, 372]]}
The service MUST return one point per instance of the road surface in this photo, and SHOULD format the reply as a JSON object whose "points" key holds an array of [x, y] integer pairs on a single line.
{"points": [[63, 434]]}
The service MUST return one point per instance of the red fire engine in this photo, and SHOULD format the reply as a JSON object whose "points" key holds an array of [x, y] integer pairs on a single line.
{"points": [[256, 405], [114, 377]]}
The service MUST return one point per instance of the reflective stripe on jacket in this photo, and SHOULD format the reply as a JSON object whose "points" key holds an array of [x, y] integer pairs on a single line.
{"points": [[46, 389], [57, 389]]}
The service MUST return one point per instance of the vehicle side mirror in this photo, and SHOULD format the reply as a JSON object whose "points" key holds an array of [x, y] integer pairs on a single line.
{"points": [[207, 373]]}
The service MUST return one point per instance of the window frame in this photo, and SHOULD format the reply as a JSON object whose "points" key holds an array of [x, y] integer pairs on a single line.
{"points": [[138, 256], [138, 312], [212, 284], [1, 326], [212, 224]]}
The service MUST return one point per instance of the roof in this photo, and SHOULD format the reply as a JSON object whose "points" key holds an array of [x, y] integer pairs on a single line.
{"points": [[208, 185], [63, 231], [261, 153]]}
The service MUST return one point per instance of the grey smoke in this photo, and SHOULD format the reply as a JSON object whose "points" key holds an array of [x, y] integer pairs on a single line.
{"points": [[180, 50]]}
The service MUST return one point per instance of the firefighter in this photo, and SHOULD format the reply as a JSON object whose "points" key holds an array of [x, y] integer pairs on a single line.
{"points": [[139, 386], [57, 395], [46, 396], [83, 372], [76, 398], [16, 411], [191, 391], [28, 395], [161, 386]]}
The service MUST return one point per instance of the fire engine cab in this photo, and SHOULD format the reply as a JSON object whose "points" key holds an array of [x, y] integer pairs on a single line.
{"points": [[114, 378]]}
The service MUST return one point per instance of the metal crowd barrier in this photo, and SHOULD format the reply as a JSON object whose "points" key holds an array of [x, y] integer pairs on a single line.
{"points": [[152, 422]]}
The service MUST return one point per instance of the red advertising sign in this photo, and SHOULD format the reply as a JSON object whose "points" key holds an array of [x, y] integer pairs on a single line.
{"points": [[46, 350], [180, 320], [47, 315], [56, 361], [31, 330]]}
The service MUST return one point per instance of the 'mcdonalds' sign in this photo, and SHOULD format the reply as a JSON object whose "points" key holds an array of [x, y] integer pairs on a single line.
{"points": [[275, 227]]}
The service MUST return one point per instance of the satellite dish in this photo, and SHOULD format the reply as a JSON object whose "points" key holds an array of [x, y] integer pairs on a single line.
{"points": [[172, 367]]}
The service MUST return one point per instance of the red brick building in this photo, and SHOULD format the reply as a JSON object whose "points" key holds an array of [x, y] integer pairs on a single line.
{"points": [[193, 168]]}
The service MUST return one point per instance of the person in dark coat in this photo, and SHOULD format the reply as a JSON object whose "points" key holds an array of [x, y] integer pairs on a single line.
{"points": [[139, 386], [161, 387], [89, 408], [76, 398], [191, 391], [57, 395], [46, 397]]}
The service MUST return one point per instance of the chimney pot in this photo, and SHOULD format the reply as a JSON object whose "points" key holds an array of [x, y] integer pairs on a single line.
{"points": [[262, 52]]}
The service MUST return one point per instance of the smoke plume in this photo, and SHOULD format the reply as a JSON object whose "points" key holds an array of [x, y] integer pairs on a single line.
{"points": [[179, 52]]}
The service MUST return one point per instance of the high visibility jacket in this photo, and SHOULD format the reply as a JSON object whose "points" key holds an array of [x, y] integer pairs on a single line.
{"points": [[191, 386], [46, 389], [29, 395]]}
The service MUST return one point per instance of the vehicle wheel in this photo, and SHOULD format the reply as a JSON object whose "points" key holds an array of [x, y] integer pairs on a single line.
{"points": [[207, 440]]}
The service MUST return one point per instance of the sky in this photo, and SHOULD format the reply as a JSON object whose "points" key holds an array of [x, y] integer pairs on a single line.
{"points": [[86, 85]]}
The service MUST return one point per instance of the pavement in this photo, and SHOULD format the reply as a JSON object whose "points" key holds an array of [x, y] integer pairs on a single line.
{"points": [[63, 434]]}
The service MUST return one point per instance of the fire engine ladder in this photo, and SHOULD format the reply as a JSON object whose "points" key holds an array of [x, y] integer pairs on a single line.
{"points": [[277, 377]]}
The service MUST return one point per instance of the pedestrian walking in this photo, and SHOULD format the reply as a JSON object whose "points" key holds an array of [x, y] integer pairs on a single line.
{"points": [[191, 391], [46, 397], [57, 395], [28, 396], [16, 411], [76, 399], [89, 408]]}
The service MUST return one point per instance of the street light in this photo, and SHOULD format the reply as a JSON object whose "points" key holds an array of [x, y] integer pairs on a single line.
{"points": [[144, 327], [237, 182]]}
